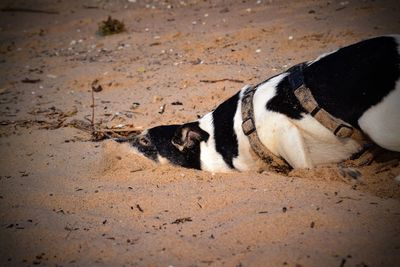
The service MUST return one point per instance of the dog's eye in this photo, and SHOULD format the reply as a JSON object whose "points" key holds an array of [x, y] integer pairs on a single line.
{"points": [[144, 141]]}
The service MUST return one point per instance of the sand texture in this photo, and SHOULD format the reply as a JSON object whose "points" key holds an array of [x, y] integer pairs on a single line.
{"points": [[68, 201]]}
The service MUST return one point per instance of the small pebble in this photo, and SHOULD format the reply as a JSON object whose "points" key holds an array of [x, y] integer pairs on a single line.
{"points": [[162, 109], [157, 98]]}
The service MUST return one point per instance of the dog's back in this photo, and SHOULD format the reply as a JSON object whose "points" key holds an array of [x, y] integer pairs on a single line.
{"points": [[349, 81], [360, 85]]}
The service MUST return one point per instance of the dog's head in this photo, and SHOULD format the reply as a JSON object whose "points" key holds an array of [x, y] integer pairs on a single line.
{"points": [[178, 144]]}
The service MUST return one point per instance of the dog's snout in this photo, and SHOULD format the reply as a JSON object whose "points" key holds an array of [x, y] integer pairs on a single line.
{"points": [[124, 139]]}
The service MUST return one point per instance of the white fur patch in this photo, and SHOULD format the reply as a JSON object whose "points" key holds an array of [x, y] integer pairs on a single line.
{"points": [[162, 160], [267, 122], [244, 160], [322, 145], [382, 121], [210, 159]]}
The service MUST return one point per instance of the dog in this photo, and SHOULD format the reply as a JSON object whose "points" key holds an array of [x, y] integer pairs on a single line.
{"points": [[357, 85]]}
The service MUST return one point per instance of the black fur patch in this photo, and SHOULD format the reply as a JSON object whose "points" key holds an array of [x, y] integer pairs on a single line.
{"points": [[347, 82], [351, 80], [161, 142], [189, 136], [285, 101], [225, 137]]}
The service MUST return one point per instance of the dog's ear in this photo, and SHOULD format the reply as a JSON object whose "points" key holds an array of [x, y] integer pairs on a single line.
{"points": [[188, 136]]}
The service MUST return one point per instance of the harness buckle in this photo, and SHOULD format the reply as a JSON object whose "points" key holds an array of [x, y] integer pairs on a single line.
{"points": [[343, 131], [248, 126]]}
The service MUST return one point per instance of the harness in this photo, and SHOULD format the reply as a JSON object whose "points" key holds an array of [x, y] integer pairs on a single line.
{"points": [[337, 126], [249, 129]]}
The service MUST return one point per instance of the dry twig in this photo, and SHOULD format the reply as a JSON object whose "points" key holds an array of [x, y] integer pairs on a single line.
{"points": [[222, 80], [28, 10]]}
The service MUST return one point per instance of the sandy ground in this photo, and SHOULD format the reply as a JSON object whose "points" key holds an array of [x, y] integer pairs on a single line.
{"points": [[66, 201]]}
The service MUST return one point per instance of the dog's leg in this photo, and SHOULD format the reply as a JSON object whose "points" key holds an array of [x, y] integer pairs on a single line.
{"points": [[364, 157], [293, 148]]}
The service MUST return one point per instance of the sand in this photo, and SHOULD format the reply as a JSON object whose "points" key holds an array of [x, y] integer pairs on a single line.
{"points": [[68, 201]]}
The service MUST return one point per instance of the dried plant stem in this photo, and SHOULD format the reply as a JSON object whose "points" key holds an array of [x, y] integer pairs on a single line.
{"points": [[93, 128], [222, 80], [31, 10], [122, 130]]}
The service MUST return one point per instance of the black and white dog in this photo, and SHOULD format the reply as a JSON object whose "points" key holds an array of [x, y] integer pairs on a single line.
{"points": [[358, 84]]}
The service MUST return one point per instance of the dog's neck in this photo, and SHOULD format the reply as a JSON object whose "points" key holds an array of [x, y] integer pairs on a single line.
{"points": [[227, 148]]}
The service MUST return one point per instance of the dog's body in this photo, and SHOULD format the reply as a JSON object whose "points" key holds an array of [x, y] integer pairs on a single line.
{"points": [[358, 84]]}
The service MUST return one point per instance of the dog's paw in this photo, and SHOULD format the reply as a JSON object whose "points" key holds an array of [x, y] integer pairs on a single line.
{"points": [[362, 158], [350, 175]]}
